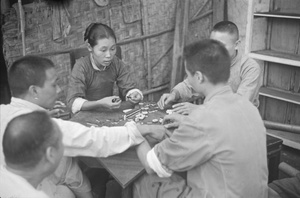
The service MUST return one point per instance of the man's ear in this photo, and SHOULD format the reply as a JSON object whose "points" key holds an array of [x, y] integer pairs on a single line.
{"points": [[33, 91], [50, 155], [237, 43], [199, 76]]}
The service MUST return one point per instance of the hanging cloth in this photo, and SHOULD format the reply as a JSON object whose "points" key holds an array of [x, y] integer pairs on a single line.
{"points": [[60, 22]]}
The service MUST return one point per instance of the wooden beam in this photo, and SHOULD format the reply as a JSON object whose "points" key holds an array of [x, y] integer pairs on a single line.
{"points": [[146, 44], [289, 139], [201, 8], [249, 27], [157, 89], [218, 11], [282, 127], [181, 26]]}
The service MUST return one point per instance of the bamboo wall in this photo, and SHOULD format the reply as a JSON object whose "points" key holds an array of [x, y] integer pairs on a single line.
{"points": [[144, 30]]}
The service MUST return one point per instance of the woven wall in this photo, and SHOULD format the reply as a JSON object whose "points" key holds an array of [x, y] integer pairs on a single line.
{"points": [[46, 30]]}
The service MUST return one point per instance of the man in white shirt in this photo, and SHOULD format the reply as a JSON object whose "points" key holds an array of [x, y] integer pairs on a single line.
{"points": [[33, 84], [32, 146], [221, 144]]}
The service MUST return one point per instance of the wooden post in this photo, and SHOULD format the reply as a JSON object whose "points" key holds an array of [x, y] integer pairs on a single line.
{"points": [[147, 52], [218, 11], [22, 26], [181, 26], [249, 27]]}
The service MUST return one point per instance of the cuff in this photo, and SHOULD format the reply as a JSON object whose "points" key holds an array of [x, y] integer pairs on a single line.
{"points": [[77, 104], [134, 133], [134, 90], [155, 165]]}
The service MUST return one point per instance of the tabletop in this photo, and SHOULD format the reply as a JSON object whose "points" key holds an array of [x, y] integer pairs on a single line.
{"points": [[124, 167]]}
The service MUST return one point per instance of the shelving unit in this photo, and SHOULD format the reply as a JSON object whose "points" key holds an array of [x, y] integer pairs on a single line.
{"points": [[276, 57], [273, 39], [280, 95]]}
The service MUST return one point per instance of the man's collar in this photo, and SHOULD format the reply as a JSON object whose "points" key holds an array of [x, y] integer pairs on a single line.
{"points": [[218, 91], [24, 103], [236, 58], [94, 64]]}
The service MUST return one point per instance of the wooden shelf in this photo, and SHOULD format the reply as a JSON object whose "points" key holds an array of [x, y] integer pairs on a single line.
{"points": [[280, 95], [277, 15], [276, 57], [289, 139]]}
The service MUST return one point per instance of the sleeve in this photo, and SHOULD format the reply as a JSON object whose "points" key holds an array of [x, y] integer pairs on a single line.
{"points": [[124, 78], [156, 166], [77, 104], [250, 79], [80, 140], [184, 92], [188, 147], [77, 84], [134, 90]]}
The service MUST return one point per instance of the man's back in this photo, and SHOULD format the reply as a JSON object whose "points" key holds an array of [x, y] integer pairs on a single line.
{"points": [[7, 113], [222, 145], [12, 185], [234, 138]]}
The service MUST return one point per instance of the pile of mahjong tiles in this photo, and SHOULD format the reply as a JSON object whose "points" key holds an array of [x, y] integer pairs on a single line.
{"points": [[146, 113]]}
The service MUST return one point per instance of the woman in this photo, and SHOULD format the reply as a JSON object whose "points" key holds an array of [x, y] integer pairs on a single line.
{"points": [[93, 77]]}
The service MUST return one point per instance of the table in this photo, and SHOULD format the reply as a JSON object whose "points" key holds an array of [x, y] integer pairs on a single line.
{"points": [[124, 167]]}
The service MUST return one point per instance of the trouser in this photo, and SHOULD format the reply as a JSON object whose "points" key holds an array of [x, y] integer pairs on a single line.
{"points": [[55, 191], [67, 174], [152, 186]]}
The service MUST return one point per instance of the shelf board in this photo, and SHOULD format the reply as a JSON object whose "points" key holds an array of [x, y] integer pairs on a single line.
{"points": [[280, 95], [277, 15], [276, 57], [289, 139]]}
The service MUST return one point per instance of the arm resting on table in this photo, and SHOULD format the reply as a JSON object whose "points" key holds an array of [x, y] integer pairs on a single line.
{"points": [[80, 140]]}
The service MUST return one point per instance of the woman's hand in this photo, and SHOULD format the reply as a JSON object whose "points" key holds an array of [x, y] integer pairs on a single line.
{"points": [[134, 97], [111, 102]]}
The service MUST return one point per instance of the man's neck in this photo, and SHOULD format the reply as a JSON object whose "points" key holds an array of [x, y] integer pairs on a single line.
{"points": [[32, 176], [29, 98], [211, 88]]}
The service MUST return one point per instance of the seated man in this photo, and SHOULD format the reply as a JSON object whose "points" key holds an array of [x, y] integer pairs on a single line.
{"points": [[32, 146], [244, 72], [221, 144], [33, 84]]}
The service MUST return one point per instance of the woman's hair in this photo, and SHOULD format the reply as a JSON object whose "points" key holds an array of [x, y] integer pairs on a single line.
{"points": [[96, 31]]}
